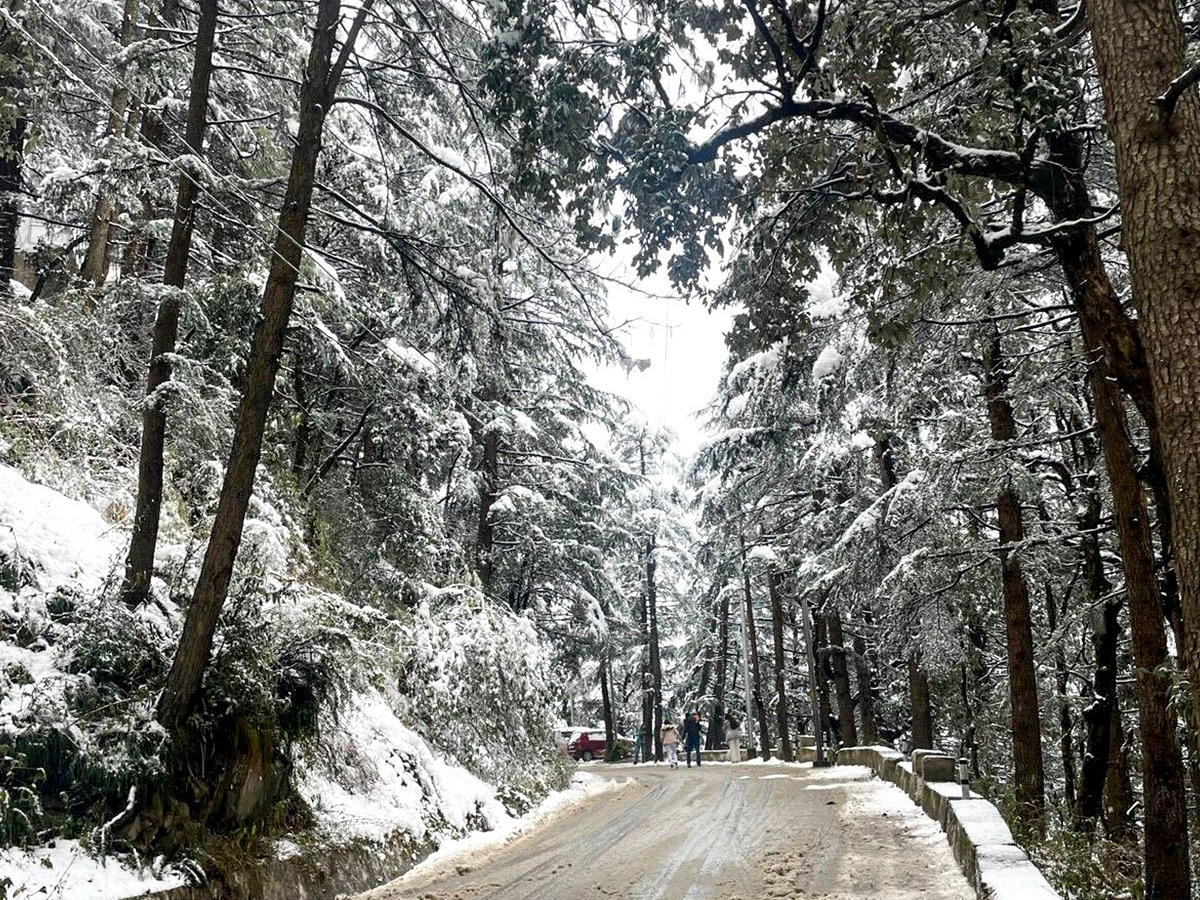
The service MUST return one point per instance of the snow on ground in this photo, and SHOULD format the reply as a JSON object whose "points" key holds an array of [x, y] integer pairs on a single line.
{"points": [[47, 542], [482, 845], [50, 542], [387, 779], [52, 539], [874, 798], [64, 871], [765, 835]]}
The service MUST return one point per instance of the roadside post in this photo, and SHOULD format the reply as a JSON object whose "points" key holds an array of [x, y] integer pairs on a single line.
{"points": [[964, 777]]}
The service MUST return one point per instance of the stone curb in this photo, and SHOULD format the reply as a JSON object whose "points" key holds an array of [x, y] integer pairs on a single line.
{"points": [[981, 840]]}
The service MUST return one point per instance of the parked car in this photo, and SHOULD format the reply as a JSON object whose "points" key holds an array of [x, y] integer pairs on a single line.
{"points": [[587, 745], [590, 743]]}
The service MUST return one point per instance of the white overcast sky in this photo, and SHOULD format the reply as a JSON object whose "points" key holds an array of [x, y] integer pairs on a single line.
{"points": [[685, 346]]}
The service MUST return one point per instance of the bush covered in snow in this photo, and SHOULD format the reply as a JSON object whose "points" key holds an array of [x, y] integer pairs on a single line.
{"points": [[80, 674], [478, 680]]}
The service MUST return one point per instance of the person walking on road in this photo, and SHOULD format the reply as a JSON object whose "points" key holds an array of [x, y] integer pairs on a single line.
{"points": [[691, 738], [733, 737], [670, 742], [639, 746]]}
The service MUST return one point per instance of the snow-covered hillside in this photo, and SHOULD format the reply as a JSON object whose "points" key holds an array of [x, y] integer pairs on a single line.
{"points": [[366, 772]]}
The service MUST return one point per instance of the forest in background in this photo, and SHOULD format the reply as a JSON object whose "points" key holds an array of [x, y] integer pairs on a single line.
{"points": [[302, 300]]}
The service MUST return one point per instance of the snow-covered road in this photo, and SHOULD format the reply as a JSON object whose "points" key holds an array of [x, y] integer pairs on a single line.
{"points": [[718, 833]]}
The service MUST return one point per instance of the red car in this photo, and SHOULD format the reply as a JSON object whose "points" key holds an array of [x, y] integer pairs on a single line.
{"points": [[587, 745]]}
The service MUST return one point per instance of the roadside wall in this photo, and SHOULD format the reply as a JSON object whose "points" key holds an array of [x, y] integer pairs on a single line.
{"points": [[312, 874], [980, 838]]}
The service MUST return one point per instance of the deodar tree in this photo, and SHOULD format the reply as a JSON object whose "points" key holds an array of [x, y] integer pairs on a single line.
{"points": [[322, 77], [904, 143]]}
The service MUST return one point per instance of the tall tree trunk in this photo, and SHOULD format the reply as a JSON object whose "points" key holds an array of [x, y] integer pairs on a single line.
{"points": [[781, 702], [974, 684], [140, 247], [1166, 866], [316, 96], [824, 723], [1101, 317], [485, 533], [12, 158], [139, 562], [95, 260], [918, 694], [755, 686], [708, 663], [1066, 725], [866, 698], [11, 161], [1118, 786], [1098, 715], [1106, 632], [646, 680], [303, 436], [841, 678], [722, 666], [1028, 773], [1141, 55], [610, 730], [655, 653]]}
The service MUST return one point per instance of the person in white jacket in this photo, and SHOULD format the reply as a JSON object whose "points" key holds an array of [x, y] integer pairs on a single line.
{"points": [[670, 742], [733, 737]]}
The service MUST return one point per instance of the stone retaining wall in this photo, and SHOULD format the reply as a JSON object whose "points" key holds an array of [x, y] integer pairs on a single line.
{"points": [[978, 835], [804, 750], [312, 874]]}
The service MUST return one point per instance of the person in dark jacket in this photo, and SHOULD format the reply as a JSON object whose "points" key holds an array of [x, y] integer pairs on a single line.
{"points": [[691, 738]]}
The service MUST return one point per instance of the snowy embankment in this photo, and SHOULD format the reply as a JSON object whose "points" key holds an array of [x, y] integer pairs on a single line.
{"points": [[370, 777]]}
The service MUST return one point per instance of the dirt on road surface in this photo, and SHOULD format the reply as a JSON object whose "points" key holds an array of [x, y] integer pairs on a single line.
{"points": [[720, 832]]}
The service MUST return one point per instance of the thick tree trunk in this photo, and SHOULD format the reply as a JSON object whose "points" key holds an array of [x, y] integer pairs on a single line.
{"points": [[316, 95], [1095, 301], [1028, 773], [781, 702], [1140, 50], [708, 663], [841, 678], [139, 563], [918, 696], [707, 655], [755, 686], [1166, 845]]}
